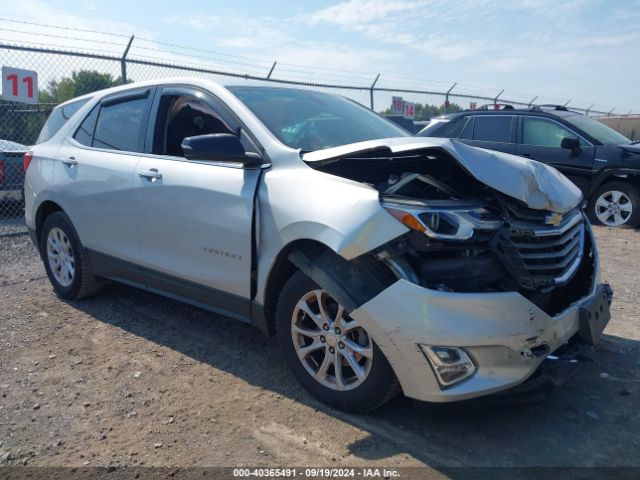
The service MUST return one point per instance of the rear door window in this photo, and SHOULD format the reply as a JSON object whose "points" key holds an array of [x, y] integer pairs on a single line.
{"points": [[58, 118], [119, 125], [493, 128]]}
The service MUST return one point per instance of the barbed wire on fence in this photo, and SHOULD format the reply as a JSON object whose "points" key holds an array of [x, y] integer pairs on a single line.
{"points": [[69, 65], [228, 63]]}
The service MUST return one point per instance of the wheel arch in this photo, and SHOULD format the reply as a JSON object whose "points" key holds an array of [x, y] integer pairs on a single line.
{"points": [[279, 273], [615, 175], [351, 282], [45, 209]]}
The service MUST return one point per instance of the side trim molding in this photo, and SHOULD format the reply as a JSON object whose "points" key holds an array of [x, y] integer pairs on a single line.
{"points": [[161, 283]]}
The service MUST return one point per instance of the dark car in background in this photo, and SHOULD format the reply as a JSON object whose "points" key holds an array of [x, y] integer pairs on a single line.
{"points": [[11, 171], [604, 164]]}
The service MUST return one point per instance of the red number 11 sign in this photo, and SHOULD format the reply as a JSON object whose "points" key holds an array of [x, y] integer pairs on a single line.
{"points": [[19, 85]]}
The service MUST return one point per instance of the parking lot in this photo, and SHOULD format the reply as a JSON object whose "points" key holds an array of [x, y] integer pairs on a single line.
{"points": [[131, 378]]}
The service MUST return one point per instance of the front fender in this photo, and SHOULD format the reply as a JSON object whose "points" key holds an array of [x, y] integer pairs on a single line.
{"points": [[298, 203]]}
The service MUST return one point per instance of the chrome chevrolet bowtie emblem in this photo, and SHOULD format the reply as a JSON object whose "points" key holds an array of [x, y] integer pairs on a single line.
{"points": [[553, 219]]}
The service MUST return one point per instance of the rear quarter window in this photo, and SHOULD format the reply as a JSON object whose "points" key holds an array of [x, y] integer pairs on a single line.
{"points": [[453, 128], [58, 118]]}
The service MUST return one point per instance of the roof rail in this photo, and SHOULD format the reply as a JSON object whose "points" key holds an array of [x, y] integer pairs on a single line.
{"points": [[495, 106], [554, 106]]}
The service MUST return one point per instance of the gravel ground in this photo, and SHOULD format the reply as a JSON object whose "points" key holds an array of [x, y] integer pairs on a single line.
{"points": [[128, 378]]}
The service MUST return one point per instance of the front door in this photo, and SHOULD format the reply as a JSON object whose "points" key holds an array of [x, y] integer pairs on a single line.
{"points": [[540, 139], [195, 218]]}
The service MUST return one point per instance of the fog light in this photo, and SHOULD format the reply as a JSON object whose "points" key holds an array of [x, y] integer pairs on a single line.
{"points": [[450, 364]]}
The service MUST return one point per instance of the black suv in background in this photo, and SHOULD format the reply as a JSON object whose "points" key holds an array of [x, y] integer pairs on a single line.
{"points": [[604, 164]]}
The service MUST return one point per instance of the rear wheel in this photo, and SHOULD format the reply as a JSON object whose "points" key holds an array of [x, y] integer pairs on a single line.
{"points": [[65, 259], [331, 354], [615, 204]]}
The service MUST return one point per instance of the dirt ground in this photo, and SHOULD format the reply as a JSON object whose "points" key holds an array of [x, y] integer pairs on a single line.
{"points": [[128, 378]]}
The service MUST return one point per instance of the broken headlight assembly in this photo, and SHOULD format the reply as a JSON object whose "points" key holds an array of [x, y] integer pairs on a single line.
{"points": [[443, 220]]}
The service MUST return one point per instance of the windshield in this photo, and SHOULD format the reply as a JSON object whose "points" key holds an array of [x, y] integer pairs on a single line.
{"points": [[599, 131], [313, 120]]}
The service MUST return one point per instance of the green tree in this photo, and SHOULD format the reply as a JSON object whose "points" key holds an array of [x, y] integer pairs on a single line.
{"points": [[426, 111], [80, 83]]}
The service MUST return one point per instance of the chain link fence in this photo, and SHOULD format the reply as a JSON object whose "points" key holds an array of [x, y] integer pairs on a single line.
{"points": [[64, 74]]}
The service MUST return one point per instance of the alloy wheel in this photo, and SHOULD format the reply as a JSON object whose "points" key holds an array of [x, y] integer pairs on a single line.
{"points": [[333, 348], [613, 208], [60, 257]]}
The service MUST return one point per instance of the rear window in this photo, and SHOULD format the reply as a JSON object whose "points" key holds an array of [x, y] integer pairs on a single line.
{"points": [[492, 129], [58, 118]]}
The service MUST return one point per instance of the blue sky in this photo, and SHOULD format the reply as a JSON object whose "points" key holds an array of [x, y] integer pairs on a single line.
{"points": [[584, 50]]}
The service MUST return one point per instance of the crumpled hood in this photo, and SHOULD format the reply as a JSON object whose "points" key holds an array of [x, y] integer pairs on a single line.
{"points": [[538, 185]]}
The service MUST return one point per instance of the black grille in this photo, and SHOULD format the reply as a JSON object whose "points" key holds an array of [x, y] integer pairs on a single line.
{"points": [[541, 255]]}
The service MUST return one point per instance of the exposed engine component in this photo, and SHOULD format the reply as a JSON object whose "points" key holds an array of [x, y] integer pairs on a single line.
{"points": [[467, 237]]}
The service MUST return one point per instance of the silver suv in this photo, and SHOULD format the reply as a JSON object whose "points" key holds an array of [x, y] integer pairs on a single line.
{"points": [[382, 262]]}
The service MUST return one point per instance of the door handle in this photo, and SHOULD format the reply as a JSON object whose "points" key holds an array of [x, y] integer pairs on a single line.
{"points": [[151, 174], [69, 162]]}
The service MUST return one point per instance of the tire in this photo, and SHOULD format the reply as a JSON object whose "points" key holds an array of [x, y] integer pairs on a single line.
{"points": [[60, 240], [624, 200], [353, 394]]}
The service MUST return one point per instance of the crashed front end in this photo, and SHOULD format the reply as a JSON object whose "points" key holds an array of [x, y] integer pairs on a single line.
{"points": [[497, 278]]}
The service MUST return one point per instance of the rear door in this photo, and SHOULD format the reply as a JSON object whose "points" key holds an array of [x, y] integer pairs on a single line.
{"points": [[539, 138], [95, 179], [195, 217], [494, 132]]}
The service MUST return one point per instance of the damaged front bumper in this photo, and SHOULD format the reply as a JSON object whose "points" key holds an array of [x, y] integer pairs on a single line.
{"points": [[507, 337]]}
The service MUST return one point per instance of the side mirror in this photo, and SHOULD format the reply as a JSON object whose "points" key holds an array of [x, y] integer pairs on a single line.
{"points": [[570, 143], [219, 147]]}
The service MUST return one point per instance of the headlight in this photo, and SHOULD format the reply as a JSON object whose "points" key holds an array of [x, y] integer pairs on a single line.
{"points": [[444, 222], [450, 364]]}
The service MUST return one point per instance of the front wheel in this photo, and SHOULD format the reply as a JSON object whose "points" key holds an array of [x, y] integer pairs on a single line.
{"points": [[331, 354], [615, 204]]}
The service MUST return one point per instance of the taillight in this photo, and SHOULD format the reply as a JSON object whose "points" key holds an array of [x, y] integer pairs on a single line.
{"points": [[26, 160], [1, 172]]}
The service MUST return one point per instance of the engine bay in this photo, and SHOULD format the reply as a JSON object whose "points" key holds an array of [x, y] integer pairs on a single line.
{"points": [[504, 245]]}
